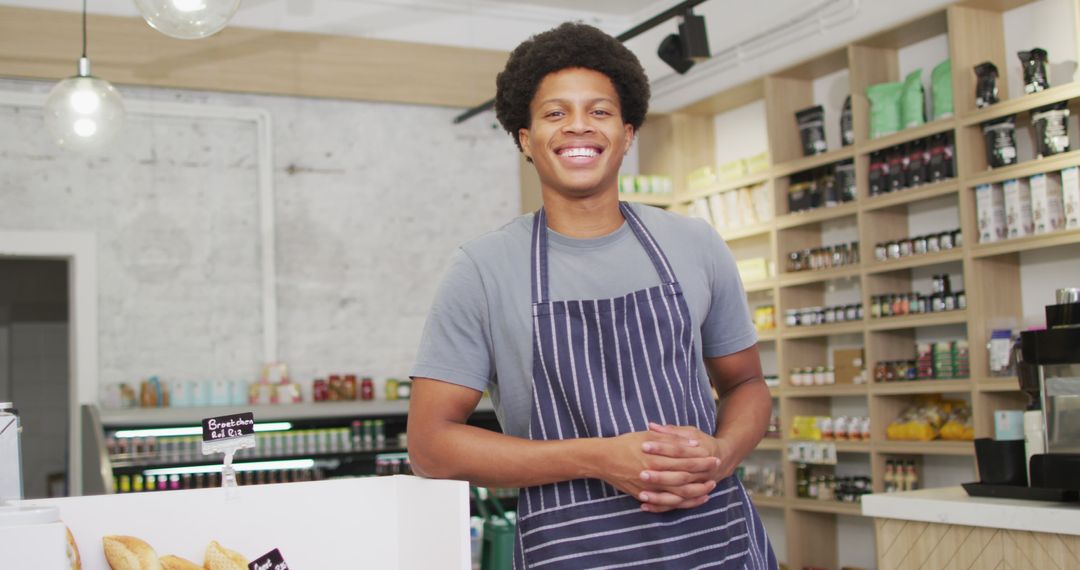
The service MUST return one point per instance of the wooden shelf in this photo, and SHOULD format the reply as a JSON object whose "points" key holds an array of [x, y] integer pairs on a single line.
{"points": [[1026, 243], [1022, 103], [761, 285], [914, 321], [743, 232], [725, 185], [909, 195], [825, 391], [852, 446], [811, 162], [936, 447], [147, 417], [924, 260], [908, 135], [1025, 169], [762, 501], [819, 276], [921, 387], [1011, 384], [833, 507], [769, 335], [770, 444], [847, 327], [664, 200], [817, 215]]}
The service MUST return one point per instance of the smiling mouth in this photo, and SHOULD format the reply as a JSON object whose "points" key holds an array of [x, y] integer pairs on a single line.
{"points": [[579, 153]]}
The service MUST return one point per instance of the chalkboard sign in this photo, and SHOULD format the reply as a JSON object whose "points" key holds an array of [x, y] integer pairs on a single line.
{"points": [[270, 561], [228, 427]]}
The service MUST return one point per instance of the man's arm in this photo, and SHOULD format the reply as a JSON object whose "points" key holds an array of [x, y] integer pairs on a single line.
{"points": [[743, 418], [442, 445]]}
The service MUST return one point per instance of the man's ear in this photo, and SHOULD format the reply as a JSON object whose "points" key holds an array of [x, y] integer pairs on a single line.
{"points": [[630, 134], [523, 140]]}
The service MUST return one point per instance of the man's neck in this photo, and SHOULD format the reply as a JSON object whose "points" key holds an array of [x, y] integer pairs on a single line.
{"points": [[588, 217]]}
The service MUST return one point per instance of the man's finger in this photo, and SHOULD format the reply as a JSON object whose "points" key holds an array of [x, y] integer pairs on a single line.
{"points": [[673, 449]]}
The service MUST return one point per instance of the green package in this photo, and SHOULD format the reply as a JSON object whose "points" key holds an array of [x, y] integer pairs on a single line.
{"points": [[884, 108], [913, 101], [941, 89]]}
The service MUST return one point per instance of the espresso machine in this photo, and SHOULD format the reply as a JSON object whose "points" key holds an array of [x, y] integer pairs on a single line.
{"points": [[1049, 372]]}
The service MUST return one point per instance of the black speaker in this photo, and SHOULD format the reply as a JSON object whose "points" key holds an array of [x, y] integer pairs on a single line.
{"points": [[671, 52]]}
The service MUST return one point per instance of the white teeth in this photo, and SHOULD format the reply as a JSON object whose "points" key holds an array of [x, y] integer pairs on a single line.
{"points": [[579, 152]]}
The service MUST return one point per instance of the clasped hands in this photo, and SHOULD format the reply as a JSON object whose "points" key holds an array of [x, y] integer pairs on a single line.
{"points": [[669, 467]]}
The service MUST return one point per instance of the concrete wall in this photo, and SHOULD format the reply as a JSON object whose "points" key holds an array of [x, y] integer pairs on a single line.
{"points": [[370, 201]]}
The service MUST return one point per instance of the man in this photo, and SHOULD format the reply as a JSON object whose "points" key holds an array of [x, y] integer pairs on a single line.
{"points": [[587, 322]]}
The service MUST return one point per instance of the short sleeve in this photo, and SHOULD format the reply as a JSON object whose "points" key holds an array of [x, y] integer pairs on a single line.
{"points": [[456, 343], [727, 328]]}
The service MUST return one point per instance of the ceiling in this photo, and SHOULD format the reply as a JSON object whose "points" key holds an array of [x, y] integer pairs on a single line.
{"points": [[753, 40]]}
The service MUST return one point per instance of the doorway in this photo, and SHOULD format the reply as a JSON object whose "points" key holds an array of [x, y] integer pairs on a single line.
{"points": [[35, 366]]}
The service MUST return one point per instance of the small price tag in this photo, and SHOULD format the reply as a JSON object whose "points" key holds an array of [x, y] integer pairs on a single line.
{"points": [[270, 561], [228, 427]]}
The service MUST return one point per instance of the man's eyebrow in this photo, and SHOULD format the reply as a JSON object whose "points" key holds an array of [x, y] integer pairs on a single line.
{"points": [[590, 101]]}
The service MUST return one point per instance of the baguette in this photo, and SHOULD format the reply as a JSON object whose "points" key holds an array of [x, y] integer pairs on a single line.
{"points": [[73, 551], [220, 558], [171, 562], [129, 553]]}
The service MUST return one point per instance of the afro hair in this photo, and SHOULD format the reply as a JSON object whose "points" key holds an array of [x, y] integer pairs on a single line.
{"points": [[568, 46]]}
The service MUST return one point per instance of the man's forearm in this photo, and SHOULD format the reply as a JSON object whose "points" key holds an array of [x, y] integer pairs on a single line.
{"points": [[482, 457], [744, 416]]}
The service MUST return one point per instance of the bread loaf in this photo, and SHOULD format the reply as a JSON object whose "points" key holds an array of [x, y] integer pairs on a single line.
{"points": [[73, 551], [171, 562], [220, 558], [129, 553]]}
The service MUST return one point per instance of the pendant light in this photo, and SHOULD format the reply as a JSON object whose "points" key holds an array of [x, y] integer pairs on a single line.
{"points": [[188, 19], [84, 113]]}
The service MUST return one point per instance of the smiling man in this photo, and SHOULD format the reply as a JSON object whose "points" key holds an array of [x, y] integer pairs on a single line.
{"points": [[598, 327]]}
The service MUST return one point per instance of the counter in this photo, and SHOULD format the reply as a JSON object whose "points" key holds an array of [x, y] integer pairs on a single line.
{"points": [[945, 528], [398, 522]]}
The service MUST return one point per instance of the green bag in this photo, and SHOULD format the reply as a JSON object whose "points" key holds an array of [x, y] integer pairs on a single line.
{"points": [[497, 550], [913, 101], [884, 108], [941, 89]]}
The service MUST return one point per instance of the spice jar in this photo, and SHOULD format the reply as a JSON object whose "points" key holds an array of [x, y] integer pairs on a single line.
{"points": [[918, 245], [893, 249], [791, 317], [905, 247], [881, 252], [961, 300], [875, 306], [957, 238], [933, 243], [945, 240]]}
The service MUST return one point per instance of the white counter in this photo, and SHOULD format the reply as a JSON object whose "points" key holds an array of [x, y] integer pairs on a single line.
{"points": [[953, 506]]}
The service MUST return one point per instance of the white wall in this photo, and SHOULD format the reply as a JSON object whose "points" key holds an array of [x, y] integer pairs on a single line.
{"points": [[741, 132], [1048, 24], [370, 202]]}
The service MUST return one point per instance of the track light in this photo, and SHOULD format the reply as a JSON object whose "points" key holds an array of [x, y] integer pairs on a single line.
{"points": [[687, 47]]}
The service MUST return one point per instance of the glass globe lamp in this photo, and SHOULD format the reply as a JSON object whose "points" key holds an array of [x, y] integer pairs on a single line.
{"points": [[84, 113], [188, 19]]}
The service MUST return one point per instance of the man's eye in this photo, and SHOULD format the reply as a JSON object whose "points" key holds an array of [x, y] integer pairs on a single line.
{"points": [[554, 114], [603, 112]]}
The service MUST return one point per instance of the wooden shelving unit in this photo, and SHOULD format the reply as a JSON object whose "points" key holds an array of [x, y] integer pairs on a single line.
{"points": [[684, 140]]}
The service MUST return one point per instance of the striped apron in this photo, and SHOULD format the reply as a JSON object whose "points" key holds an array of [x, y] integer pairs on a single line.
{"points": [[607, 367]]}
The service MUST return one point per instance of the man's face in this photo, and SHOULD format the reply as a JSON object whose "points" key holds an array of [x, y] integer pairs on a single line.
{"points": [[577, 139]]}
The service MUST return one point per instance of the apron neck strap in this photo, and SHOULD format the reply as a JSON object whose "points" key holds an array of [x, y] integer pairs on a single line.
{"points": [[539, 252]]}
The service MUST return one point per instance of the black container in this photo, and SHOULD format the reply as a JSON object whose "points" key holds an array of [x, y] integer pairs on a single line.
{"points": [[1001, 462]]}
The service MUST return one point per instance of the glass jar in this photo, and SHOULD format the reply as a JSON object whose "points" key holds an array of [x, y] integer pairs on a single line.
{"points": [[933, 243], [945, 240], [880, 371], [961, 300], [950, 302], [794, 262], [881, 252], [906, 247], [893, 249], [957, 238], [851, 313], [918, 245]]}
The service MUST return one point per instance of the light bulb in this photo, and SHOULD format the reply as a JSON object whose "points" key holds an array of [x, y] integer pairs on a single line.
{"points": [[188, 19], [84, 113]]}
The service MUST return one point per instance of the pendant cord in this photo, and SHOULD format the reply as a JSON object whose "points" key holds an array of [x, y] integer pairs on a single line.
{"points": [[84, 28]]}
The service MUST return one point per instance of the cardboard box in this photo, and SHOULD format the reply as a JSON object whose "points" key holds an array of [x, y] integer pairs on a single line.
{"points": [[990, 212], [848, 365], [1070, 196], [1018, 218], [751, 270], [1046, 207]]}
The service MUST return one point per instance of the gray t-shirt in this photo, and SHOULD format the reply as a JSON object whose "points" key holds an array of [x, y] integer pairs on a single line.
{"points": [[479, 331]]}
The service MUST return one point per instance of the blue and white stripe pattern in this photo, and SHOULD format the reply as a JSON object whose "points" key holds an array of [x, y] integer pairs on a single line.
{"points": [[606, 367]]}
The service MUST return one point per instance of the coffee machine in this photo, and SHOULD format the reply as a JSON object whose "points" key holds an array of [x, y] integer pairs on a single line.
{"points": [[1049, 372]]}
